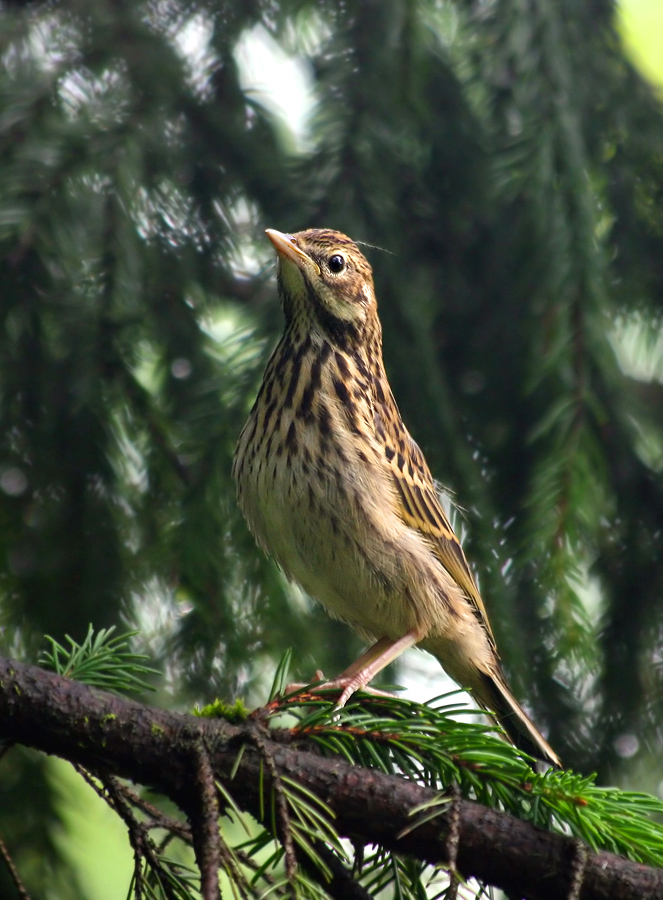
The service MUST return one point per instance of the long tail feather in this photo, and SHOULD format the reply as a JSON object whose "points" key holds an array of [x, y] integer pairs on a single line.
{"points": [[495, 696]]}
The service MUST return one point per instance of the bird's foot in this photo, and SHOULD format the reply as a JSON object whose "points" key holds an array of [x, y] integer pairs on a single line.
{"points": [[370, 663], [347, 685]]}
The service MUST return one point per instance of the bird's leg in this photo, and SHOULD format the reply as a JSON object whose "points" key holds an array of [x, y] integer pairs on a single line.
{"points": [[367, 666]]}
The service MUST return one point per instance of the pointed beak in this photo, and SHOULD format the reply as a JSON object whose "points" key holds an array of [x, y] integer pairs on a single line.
{"points": [[285, 246]]}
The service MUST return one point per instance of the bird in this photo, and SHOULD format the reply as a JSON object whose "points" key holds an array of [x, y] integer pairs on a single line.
{"points": [[337, 492]]}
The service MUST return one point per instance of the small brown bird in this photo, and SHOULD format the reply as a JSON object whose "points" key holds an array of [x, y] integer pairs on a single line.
{"points": [[335, 489]]}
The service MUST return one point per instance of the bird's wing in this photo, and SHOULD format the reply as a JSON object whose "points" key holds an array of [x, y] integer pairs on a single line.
{"points": [[420, 508]]}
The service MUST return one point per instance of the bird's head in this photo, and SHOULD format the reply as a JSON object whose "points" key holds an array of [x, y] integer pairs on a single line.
{"points": [[325, 282]]}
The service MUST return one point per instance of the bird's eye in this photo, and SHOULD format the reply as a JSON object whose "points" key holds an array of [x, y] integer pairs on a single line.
{"points": [[336, 263]]}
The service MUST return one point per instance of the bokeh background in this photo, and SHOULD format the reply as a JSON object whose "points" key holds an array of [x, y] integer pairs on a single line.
{"points": [[503, 162]]}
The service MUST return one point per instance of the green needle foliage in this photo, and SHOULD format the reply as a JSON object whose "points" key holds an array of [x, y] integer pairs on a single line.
{"points": [[425, 743], [102, 661], [166, 879]]}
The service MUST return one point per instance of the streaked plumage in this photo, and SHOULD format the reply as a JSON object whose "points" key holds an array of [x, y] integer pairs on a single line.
{"points": [[335, 489]]}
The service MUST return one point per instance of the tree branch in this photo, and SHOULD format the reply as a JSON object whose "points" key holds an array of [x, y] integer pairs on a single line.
{"points": [[204, 825], [153, 747]]}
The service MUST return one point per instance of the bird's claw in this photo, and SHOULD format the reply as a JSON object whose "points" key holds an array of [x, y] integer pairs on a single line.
{"points": [[347, 686]]}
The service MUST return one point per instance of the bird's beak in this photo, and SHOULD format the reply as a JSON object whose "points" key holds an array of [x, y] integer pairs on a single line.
{"points": [[285, 246]]}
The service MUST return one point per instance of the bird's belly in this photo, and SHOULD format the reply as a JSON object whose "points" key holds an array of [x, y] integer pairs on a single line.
{"points": [[304, 534], [315, 527]]}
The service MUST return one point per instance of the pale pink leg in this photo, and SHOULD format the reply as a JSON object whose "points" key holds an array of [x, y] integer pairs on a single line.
{"points": [[367, 666]]}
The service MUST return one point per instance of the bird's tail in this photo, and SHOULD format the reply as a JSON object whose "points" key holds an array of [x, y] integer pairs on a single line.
{"points": [[496, 697]]}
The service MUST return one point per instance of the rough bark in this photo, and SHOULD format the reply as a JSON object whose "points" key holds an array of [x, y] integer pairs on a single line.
{"points": [[162, 750]]}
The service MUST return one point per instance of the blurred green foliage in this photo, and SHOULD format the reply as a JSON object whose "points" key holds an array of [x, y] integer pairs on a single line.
{"points": [[508, 158]]}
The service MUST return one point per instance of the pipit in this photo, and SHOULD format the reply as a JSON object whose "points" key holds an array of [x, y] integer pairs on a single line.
{"points": [[338, 493]]}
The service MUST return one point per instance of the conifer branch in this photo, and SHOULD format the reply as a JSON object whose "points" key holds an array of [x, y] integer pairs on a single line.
{"points": [[153, 747]]}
